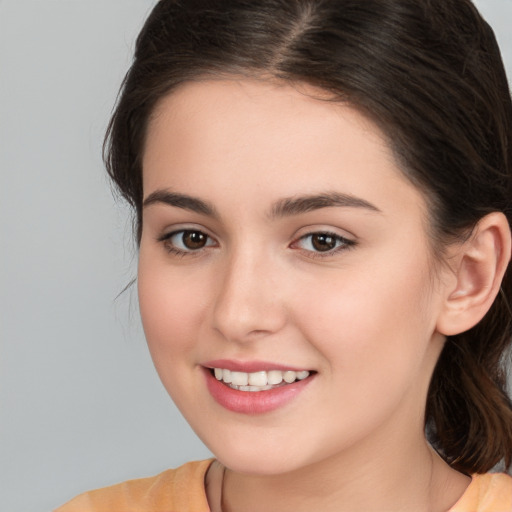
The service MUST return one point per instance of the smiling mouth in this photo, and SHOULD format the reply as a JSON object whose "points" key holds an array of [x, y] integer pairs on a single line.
{"points": [[258, 381]]}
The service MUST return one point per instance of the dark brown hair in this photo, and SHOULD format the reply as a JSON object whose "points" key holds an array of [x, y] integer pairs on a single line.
{"points": [[430, 75]]}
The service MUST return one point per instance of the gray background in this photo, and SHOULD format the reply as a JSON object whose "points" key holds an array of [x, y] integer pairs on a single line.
{"points": [[80, 403]]}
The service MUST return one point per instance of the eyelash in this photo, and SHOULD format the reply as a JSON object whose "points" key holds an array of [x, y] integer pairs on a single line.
{"points": [[172, 249], [342, 243]]}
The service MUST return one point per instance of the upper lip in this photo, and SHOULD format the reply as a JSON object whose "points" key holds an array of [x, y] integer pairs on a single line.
{"points": [[250, 366]]}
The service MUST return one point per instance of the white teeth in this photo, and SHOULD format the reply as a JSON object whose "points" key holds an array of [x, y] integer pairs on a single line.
{"points": [[275, 377], [289, 377], [239, 378], [258, 381]]}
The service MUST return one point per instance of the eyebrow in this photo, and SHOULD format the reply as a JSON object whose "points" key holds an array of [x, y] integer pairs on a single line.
{"points": [[180, 201], [282, 208], [303, 204]]}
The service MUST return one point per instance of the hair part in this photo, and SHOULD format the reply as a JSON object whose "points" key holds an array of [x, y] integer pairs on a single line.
{"points": [[429, 74]]}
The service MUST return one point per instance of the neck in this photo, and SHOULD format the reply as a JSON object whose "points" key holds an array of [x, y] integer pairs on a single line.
{"points": [[389, 479]]}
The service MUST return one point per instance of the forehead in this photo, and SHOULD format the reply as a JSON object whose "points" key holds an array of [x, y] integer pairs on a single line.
{"points": [[238, 136], [217, 113]]}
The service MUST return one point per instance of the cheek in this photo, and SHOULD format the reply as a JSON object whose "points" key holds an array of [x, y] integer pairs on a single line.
{"points": [[170, 306], [373, 334], [370, 318]]}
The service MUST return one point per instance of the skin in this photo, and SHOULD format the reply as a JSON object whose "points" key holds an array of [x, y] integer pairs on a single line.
{"points": [[363, 317]]}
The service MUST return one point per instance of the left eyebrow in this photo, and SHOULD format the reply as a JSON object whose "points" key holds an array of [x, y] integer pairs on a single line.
{"points": [[303, 204], [183, 201]]}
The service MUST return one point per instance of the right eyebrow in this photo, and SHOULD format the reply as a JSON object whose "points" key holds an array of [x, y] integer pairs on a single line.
{"points": [[302, 204], [180, 201]]}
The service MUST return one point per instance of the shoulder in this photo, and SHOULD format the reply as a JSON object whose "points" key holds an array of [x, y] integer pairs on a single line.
{"points": [[175, 489], [490, 492]]}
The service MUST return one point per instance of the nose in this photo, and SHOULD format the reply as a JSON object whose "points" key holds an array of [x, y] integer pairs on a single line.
{"points": [[249, 304]]}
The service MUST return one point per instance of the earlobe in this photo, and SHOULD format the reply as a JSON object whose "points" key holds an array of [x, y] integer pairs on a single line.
{"points": [[479, 266]]}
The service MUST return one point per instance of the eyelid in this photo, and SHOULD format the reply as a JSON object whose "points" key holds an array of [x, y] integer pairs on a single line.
{"points": [[166, 237], [171, 230], [343, 243], [320, 227]]}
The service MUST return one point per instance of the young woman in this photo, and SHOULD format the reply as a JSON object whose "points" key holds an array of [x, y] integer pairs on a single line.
{"points": [[323, 201]]}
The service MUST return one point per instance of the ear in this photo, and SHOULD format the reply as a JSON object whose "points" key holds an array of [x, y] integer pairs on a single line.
{"points": [[478, 266]]}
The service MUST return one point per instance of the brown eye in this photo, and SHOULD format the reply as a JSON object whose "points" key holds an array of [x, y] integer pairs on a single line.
{"points": [[194, 240], [323, 242], [186, 241]]}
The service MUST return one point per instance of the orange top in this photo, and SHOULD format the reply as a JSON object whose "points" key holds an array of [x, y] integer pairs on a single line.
{"points": [[491, 492], [182, 490], [174, 490]]}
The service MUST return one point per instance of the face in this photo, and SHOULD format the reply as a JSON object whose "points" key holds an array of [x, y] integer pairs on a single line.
{"points": [[281, 241]]}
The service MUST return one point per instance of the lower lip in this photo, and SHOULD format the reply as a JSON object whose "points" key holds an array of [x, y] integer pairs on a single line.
{"points": [[253, 402]]}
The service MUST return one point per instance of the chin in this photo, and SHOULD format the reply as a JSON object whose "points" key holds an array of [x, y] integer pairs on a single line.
{"points": [[260, 453], [259, 464]]}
